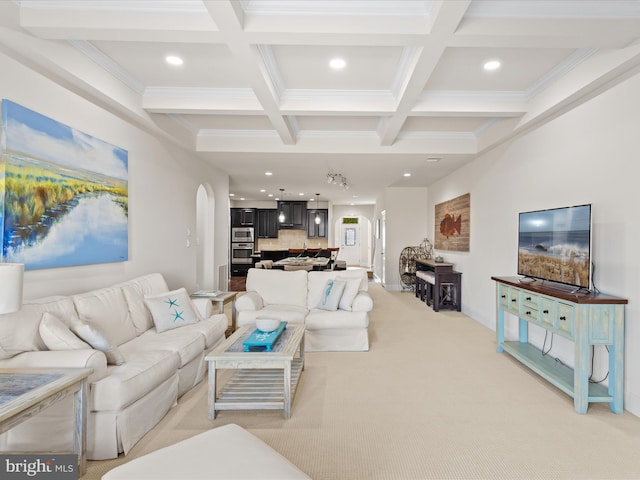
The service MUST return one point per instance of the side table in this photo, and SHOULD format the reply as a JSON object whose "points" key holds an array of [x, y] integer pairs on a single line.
{"points": [[26, 392], [221, 299]]}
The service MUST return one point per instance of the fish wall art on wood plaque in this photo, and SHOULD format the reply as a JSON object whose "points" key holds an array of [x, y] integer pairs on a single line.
{"points": [[453, 224]]}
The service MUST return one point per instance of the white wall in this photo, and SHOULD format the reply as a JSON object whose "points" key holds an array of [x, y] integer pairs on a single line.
{"points": [[588, 155], [163, 183], [406, 226]]}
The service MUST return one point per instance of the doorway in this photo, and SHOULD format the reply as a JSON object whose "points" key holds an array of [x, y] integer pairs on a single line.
{"points": [[205, 221], [353, 236], [383, 241]]}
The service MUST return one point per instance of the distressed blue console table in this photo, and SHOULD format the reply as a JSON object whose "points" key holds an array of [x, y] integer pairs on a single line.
{"points": [[584, 318]]}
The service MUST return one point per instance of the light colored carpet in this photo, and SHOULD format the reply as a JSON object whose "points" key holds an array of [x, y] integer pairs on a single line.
{"points": [[431, 400]]}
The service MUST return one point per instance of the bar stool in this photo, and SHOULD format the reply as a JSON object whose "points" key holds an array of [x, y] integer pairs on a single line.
{"points": [[425, 282]]}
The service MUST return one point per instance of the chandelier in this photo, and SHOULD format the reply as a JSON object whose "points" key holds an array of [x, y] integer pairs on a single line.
{"points": [[338, 179]]}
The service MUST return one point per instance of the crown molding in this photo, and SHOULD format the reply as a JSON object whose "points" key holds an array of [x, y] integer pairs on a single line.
{"points": [[337, 7], [207, 132], [558, 9], [239, 93], [191, 6], [108, 65], [559, 70]]}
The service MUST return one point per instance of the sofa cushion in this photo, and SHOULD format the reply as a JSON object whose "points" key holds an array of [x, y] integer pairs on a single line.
{"points": [[19, 331], [277, 287], [331, 294], [144, 371], [134, 291], [351, 288], [226, 452], [107, 310], [317, 281], [187, 344], [57, 336], [171, 310], [212, 329], [285, 313], [94, 337]]}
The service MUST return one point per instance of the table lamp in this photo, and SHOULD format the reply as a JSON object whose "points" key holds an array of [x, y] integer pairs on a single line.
{"points": [[11, 279]]}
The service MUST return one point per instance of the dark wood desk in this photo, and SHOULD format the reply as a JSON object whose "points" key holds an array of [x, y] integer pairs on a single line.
{"points": [[444, 273]]}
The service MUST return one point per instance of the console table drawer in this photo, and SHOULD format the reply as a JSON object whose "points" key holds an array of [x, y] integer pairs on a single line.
{"points": [[530, 314], [565, 319], [529, 306], [530, 300], [548, 316], [514, 300]]}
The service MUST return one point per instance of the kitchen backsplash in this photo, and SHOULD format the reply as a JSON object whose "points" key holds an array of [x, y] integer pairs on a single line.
{"points": [[290, 239]]}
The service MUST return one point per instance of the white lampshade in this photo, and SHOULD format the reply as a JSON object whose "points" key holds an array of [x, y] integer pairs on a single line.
{"points": [[11, 279]]}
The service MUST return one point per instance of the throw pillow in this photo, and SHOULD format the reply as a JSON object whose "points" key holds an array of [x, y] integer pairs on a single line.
{"points": [[171, 310], [57, 336], [352, 285], [97, 340], [331, 294]]}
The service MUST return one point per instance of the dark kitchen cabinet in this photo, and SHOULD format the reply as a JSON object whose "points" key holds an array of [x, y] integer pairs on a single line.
{"points": [[295, 215], [243, 217], [267, 223], [317, 230]]}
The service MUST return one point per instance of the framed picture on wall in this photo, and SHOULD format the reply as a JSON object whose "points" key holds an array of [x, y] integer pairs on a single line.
{"points": [[63, 193], [452, 224]]}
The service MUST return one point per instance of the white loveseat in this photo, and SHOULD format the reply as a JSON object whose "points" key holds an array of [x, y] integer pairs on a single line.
{"points": [[125, 401], [296, 296]]}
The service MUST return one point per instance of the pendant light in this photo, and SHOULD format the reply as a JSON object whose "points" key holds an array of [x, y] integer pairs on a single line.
{"points": [[281, 217], [317, 219]]}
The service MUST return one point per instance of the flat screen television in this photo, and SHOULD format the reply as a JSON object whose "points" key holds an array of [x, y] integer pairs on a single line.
{"points": [[555, 245]]}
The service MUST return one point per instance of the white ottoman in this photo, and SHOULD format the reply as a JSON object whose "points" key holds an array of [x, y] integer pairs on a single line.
{"points": [[228, 452]]}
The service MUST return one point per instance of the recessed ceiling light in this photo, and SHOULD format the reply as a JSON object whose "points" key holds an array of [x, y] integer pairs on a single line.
{"points": [[492, 65], [337, 63], [301, 194], [232, 194], [241, 198], [268, 174], [433, 159], [173, 60], [270, 195], [262, 190], [407, 174]]}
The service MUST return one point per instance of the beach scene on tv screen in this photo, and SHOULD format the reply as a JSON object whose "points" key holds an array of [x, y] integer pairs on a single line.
{"points": [[555, 245]]}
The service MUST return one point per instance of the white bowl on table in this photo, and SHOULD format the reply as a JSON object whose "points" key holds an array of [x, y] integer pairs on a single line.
{"points": [[267, 325]]}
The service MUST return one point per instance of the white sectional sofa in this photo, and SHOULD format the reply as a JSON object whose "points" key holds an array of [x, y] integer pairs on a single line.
{"points": [[299, 297], [136, 378]]}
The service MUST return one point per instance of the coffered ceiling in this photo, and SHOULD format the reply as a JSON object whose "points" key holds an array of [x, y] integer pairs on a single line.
{"points": [[255, 92]]}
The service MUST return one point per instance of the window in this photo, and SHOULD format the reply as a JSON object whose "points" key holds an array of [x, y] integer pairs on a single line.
{"points": [[350, 237]]}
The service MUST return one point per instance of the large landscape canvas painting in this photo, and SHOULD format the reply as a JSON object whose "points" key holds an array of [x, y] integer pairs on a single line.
{"points": [[63, 193]]}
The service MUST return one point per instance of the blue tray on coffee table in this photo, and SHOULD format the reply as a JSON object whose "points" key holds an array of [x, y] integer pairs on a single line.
{"points": [[262, 339]]}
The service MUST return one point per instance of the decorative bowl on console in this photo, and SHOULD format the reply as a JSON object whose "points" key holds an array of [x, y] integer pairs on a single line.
{"points": [[267, 325]]}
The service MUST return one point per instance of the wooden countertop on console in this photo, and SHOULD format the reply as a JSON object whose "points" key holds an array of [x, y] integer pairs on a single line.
{"points": [[560, 291]]}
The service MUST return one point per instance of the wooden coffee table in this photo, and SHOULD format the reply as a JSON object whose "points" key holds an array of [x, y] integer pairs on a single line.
{"points": [[26, 392], [263, 380]]}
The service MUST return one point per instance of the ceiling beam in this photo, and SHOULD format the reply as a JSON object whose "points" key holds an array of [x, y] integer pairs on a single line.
{"points": [[250, 65], [421, 65]]}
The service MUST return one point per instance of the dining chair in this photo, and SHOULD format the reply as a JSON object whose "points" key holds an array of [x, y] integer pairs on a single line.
{"points": [[291, 268]]}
